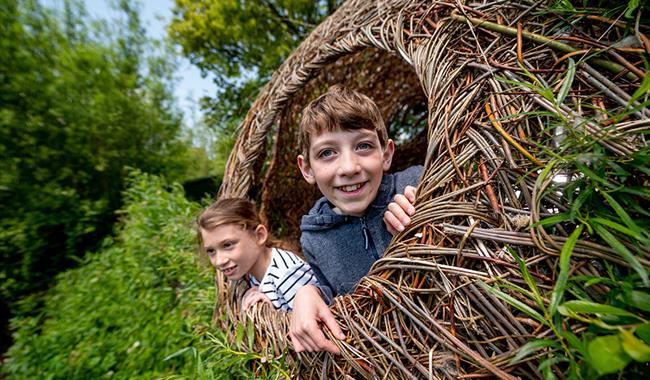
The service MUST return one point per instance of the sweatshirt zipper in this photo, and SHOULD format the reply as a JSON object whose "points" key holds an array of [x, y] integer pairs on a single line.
{"points": [[366, 236], [364, 228]]}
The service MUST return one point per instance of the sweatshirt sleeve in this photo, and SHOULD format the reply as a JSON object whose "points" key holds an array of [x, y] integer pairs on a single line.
{"points": [[323, 285], [410, 176]]}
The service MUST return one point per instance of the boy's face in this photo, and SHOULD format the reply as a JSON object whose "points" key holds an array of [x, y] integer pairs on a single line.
{"points": [[348, 167]]}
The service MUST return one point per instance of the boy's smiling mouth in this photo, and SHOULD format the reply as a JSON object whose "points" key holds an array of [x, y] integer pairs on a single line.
{"points": [[351, 188]]}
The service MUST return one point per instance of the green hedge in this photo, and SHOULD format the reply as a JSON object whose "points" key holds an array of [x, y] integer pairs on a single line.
{"points": [[128, 307]]}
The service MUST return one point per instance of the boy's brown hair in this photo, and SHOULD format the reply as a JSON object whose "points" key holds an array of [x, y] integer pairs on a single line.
{"points": [[340, 108]]}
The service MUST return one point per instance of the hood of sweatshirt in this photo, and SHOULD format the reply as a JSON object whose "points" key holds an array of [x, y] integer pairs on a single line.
{"points": [[322, 215]]}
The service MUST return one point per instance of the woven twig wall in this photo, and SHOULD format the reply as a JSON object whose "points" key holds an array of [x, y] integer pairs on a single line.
{"points": [[426, 309]]}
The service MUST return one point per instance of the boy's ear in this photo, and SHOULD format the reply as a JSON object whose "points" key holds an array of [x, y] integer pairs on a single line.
{"points": [[305, 169], [261, 234], [389, 150]]}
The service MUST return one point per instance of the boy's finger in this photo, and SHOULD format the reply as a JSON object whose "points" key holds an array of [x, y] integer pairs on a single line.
{"points": [[409, 192], [392, 223], [404, 204], [399, 212]]}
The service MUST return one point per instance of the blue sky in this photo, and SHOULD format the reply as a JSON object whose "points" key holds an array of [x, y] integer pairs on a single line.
{"points": [[156, 15]]}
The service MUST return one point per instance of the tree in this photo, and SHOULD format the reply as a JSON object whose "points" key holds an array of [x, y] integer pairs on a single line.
{"points": [[241, 43], [78, 106]]}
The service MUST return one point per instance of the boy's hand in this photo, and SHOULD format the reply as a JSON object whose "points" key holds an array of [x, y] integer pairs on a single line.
{"points": [[309, 310], [253, 296], [397, 217]]}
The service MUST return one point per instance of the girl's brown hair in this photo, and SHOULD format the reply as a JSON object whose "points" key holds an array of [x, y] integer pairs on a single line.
{"points": [[239, 211]]}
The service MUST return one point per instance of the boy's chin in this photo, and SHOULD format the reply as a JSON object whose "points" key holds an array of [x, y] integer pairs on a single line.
{"points": [[351, 211]]}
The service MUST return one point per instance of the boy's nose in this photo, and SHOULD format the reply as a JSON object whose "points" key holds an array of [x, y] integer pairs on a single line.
{"points": [[348, 164]]}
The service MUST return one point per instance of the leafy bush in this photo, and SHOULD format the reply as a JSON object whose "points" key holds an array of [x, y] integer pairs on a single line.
{"points": [[138, 300]]}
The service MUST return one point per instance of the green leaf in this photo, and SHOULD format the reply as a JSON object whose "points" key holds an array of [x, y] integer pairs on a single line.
{"points": [[563, 276], [559, 218], [546, 366], [641, 91], [625, 217], [528, 278], [239, 334], [568, 81], [620, 228], [635, 347], [631, 6], [623, 252], [180, 352], [640, 300], [515, 303], [531, 347], [251, 334], [580, 200], [643, 332], [588, 307], [606, 354]]}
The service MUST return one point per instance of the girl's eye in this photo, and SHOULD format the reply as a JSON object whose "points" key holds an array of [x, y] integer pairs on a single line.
{"points": [[326, 153], [211, 252], [228, 244]]}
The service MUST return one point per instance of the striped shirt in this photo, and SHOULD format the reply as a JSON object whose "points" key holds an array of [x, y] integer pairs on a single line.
{"points": [[285, 275]]}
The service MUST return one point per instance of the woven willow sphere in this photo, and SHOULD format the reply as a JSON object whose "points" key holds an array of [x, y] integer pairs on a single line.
{"points": [[458, 85]]}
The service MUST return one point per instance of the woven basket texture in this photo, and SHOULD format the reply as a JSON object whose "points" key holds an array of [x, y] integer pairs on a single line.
{"points": [[455, 86]]}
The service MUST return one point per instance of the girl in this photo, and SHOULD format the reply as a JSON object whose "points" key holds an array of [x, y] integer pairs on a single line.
{"points": [[239, 245]]}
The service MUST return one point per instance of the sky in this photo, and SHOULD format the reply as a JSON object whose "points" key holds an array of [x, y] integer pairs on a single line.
{"points": [[156, 15]]}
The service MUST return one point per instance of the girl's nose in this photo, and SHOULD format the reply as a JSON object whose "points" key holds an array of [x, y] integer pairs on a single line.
{"points": [[218, 261]]}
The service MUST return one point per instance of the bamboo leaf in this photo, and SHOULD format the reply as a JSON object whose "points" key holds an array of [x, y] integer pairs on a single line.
{"points": [[568, 81], [642, 90], [565, 258], [515, 303], [537, 297], [623, 252], [532, 347], [588, 307], [625, 217], [239, 334], [559, 218], [620, 228], [251, 333]]}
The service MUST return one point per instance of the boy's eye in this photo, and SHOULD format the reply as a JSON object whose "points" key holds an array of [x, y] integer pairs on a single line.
{"points": [[364, 146], [326, 153]]}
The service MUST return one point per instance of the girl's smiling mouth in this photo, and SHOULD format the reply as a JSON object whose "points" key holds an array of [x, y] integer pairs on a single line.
{"points": [[229, 271]]}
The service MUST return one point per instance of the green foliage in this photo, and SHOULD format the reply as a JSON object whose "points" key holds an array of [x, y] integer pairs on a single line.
{"points": [[606, 197], [78, 105], [240, 44], [129, 306], [235, 39]]}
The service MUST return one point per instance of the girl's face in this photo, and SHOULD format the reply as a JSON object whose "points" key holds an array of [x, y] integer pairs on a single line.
{"points": [[236, 251]]}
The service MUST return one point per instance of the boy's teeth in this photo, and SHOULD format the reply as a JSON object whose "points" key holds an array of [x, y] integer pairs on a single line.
{"points": [[350, 187]]}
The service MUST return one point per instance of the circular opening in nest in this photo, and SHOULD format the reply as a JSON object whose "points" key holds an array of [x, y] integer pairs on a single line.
{"points": [[385, 78]]}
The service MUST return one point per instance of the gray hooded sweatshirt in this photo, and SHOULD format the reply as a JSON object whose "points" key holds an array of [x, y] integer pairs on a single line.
{"points": [[341, 248]]}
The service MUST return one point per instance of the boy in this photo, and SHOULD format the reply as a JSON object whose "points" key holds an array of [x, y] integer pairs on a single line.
{"points": [[345, 152]]}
